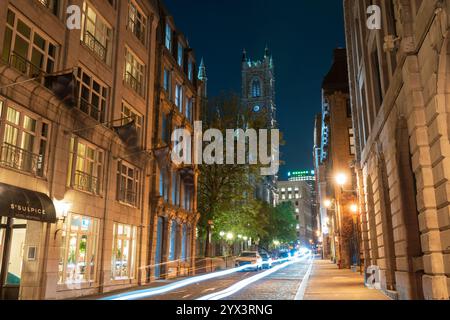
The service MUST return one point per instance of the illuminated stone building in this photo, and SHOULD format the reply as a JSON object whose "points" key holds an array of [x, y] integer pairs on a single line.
{"points": [[78, 168], [399, 90], [334, 158]]}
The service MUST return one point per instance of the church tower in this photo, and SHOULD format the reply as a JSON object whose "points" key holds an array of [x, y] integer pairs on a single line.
{"points": [[258, 95], [258, 86]]}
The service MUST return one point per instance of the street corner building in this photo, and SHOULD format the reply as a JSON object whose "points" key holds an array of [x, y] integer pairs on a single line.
{"points": [[89, 200], [399, 90]]}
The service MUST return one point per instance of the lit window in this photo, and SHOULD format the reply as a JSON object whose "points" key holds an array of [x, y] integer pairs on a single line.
{"points": [[137, 21], [78, 258], [190, 70], [85, 167], [24, 142], [124, 252], [128, 179], [95, 33], [351, 135], [134, 72], [50, 4], [26, 49]]}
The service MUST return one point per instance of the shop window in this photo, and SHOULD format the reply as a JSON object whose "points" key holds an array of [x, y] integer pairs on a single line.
{"points": [[79, 250], [124, 252]]}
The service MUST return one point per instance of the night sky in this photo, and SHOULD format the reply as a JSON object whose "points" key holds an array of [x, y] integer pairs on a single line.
{"points": [[301, 35]]}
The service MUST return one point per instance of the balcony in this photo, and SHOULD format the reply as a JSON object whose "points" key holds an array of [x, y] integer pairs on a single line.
{"points": [[95, 46], [134, 83], [19, 159], [25, 66], [127, 196], [91, 110], [86, 182]]}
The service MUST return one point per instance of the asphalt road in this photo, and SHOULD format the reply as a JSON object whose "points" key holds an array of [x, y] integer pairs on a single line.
{"points": [[280, 284]]}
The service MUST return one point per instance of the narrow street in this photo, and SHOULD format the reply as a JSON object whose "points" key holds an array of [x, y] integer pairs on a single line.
{"points": [[282, 282]]}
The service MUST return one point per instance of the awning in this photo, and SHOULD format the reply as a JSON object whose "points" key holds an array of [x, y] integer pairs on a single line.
{"points": [[26, 204]]}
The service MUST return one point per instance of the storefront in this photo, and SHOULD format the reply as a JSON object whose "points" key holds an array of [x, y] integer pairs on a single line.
{"points": [[18, 208]]}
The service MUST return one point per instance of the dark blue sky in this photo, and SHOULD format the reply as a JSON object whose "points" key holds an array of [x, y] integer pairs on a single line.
{"points": [[301, 35]]}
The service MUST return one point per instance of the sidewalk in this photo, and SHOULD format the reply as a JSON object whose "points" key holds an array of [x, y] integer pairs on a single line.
{"points": [[327, 282]]}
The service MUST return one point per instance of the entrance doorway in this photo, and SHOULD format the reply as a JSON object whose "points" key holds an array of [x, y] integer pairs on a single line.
{"points": [[12, 240]]}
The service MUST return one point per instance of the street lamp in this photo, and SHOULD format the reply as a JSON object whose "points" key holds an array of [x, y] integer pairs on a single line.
{"points": [[327, 203], [230, 236], [354, 209], [341, 179]]}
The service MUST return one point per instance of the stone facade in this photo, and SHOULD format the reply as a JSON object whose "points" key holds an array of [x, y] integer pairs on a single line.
{"points": [[400, 110], [104, 189]]}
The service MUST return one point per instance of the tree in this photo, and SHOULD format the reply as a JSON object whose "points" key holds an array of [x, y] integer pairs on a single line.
{"points": [[226, 191], [281, 224]]}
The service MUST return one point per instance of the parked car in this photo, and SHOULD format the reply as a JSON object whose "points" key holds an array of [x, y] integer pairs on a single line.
{"points": [[252, 259], [284, 256], [266, 261]]}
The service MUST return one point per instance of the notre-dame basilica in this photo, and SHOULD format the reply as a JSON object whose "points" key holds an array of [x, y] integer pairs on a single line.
{"points": [[258, 95]]}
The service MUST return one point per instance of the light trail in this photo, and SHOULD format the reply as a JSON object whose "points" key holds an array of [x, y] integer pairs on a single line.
{"points": [[244, 283], [147, 293]]}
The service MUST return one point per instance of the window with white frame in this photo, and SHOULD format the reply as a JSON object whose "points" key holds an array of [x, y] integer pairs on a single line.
{"points": [[26, 48], [23, 140], [85, 166], [179, 97], [190, 69], [137, 21], [134, 72], [189, 109], [128, 178], [124, 252], [79, 250], [129, 114], [96, 34], [91, 95], [168, 38], [180, 54]]}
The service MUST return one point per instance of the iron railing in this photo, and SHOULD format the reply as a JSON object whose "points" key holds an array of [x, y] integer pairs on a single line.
{"points": [[134, 83], [25, 66], [95, 46], [20, 159], [127, 196], [86, 182], [91, 110]]}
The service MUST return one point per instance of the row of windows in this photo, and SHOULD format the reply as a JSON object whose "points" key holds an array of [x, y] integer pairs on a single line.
{"points": [[183, 102], [173, 189], [180, 52]]}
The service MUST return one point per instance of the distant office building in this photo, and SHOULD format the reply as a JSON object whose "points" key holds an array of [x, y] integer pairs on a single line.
{"points": [[300, 194]]}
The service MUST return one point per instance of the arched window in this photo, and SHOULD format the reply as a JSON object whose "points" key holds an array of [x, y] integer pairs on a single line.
{"points": [[256, 88]]}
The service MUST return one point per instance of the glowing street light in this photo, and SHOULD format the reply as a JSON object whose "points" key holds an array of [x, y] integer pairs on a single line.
{"points": [[222, 234], [327, 203], [230, 236], [354, 208], [341, 179]]}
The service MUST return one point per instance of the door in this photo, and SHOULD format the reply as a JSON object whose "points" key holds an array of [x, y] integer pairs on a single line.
{"points": [[159, 249], [13, 239]]}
